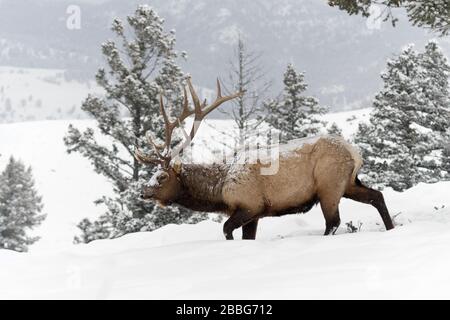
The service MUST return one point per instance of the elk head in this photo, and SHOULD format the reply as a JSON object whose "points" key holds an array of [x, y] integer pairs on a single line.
{"points": [[164, 186]]}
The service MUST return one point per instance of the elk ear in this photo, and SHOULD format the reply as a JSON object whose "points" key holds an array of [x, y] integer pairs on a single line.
{"points": [[177, 166]]}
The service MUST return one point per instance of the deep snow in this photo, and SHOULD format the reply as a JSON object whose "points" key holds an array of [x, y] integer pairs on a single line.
{"points": [[289, 259]]}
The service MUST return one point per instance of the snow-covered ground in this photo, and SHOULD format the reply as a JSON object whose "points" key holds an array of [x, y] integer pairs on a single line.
{"points": [[289, 259]]}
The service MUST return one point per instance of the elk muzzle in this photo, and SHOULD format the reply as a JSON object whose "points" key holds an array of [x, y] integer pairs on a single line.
{"points": [[147, 193]]}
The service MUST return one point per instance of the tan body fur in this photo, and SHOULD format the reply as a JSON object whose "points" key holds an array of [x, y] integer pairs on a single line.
{"points": [[320, 170]]}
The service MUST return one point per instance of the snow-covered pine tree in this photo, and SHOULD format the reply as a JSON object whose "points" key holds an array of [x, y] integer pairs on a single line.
{"points": [[295, 115], [387, 143], [141, 63], [399, 140], [432, 14], [334, 130], [434, 110], [20, 207], [102, 228], [446, 161]]}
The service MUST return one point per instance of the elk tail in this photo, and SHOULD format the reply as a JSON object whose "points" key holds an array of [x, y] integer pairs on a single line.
{"points": [[357, 159]]}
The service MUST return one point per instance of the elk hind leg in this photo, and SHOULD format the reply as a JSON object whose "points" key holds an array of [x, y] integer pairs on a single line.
{"points": [[361, 193], [239, 218]]}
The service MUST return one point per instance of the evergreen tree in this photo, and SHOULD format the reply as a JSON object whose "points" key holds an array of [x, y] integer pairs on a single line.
{"points": [[401, 138], [141, 63], [434, 14], [389, 142], [446, 161], [334, 130], [20, 207], [434, 109], [90, 231], [296, 115]]}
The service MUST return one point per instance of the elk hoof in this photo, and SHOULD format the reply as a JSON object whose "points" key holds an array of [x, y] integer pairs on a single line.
{"points": [[330, 231], [228, 236]]}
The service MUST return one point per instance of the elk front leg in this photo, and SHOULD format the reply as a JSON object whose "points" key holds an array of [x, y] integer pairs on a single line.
{"points": [[330, 209], [239, 218], [249, 230]]}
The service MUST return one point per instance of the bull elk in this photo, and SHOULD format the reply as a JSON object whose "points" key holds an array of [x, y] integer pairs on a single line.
{"points": [[317, 170]]}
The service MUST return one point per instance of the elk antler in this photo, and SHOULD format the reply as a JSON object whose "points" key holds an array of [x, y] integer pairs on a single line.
{"points": [[200, 112]]}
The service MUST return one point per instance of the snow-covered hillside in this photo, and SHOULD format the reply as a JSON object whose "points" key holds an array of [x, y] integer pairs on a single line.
{"points": [[40, 94], [289, 259], [67, 182], [341, 55]]}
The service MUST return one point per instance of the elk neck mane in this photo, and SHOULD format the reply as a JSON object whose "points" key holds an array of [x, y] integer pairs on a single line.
{"points": [[202, 187]]}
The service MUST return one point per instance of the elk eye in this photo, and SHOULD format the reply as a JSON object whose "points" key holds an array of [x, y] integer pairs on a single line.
{"points": [[163, 177]]}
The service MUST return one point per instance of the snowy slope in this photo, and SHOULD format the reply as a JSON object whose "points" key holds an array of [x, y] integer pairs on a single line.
{"points": [[39, 94], [67, 182], [290, 259]]}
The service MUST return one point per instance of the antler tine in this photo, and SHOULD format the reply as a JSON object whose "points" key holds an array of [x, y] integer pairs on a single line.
{"points": [[200, 111], [186, 112], [195, 100], [220, 100], [186, 142], [219, 89], [168, 125], [145, 159]]}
